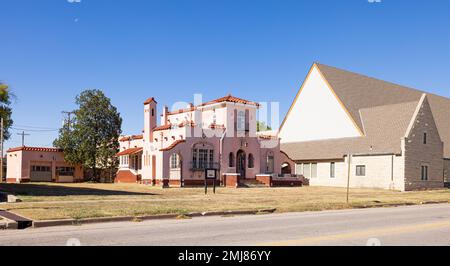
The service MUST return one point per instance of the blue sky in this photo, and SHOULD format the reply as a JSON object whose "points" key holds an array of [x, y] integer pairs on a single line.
{"points": [[51, 50]]}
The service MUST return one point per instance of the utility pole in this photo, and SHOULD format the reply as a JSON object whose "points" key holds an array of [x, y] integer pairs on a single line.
{"points": [[1, 159], [348, 177], [69, 118], [23, 137]]}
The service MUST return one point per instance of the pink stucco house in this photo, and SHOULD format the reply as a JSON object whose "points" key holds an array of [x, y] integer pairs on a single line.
{"points": [[36, 164], [220, 134]]}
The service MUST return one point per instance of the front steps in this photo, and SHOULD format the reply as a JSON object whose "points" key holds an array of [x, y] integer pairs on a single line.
{"points": [[251, 183]]}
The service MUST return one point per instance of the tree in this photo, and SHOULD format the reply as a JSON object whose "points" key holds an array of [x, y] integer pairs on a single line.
{"points": [[261, 126], [91, 138], [5, 109]]}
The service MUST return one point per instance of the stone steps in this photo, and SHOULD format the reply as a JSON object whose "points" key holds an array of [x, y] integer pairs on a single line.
{"points": [[251, 183]]}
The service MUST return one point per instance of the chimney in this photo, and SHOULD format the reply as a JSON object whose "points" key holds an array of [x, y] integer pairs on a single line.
{"points": [[165, 115], [150, 119]]}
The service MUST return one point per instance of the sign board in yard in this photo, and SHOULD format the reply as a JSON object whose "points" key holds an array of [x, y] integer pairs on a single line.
{"points": [[210, 174]]}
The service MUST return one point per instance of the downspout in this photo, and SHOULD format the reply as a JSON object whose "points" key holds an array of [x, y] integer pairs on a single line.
{"points": [[221, 151], [392, 172]]}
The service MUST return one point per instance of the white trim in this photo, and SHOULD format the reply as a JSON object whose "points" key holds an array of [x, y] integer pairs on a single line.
{"points": [[416, 114]]}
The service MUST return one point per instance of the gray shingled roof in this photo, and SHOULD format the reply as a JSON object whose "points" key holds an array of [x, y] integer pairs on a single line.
{"points": [[381, 109]]}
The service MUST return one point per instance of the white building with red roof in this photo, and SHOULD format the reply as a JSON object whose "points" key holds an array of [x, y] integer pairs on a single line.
{"points": [[219, 135]]}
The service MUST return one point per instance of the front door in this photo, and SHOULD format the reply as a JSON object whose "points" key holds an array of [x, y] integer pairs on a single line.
{"points": [[241, 163]]}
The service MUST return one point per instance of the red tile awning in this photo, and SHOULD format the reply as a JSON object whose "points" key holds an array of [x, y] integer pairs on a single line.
{"points": [[130, 151]]}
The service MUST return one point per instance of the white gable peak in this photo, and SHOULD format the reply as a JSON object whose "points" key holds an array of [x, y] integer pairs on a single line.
{"points": [[317, 113]]}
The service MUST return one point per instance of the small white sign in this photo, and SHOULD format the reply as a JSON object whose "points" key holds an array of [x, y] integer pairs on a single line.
{"points": [[211, 174]]}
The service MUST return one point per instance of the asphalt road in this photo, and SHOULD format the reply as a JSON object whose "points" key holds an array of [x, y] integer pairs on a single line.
{"points": [[417, 225]]}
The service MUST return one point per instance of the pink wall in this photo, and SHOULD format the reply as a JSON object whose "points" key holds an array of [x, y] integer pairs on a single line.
{"points": [[20, 162]]}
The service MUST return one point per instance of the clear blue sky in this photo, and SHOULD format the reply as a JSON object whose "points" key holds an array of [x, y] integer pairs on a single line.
{"points": [[51, 50]]}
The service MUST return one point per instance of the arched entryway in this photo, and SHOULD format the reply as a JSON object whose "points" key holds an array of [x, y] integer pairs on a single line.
{"points": [[286, 169], [241, 163]]}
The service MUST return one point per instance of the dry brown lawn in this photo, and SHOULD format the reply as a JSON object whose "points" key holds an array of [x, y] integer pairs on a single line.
{"points": [[77, 201]]}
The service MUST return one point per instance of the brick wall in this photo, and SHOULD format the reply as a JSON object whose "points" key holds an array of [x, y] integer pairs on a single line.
{"points": [[125, 176], [418, 154], [231, 180], [265, 179]]}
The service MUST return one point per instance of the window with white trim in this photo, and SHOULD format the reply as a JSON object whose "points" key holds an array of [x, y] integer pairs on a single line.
{"points": [[307, 170], [299, 169], [241, 121], [314, 170], [175, 161]]}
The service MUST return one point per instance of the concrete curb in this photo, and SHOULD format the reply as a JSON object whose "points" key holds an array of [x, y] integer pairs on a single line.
{"points": [[7, 224], [65, 222], [400, 204]]}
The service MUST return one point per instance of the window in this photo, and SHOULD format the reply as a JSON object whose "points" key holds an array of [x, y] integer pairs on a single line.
{"points": [[251, 161], [36, 168], [211, 156], [194, 158], [425, 138], [270, 163], [332, 170], [424, 173], [307, 170], [231, 160], [174, 161], [299, 169], [314, 170], [361, 170], [203, 157], [241, 121], [65, 171], [153, 112]]}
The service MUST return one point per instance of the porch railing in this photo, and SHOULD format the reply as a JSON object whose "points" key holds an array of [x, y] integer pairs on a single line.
{"points": [[203, 165]]}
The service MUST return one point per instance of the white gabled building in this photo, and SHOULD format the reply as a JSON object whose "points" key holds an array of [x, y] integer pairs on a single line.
{"points": [[398, 138]]}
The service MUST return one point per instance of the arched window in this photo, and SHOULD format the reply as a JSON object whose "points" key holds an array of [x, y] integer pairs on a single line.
{"points": [[231, 160], [203, 156], [174, 161], [270, 163], [251, 161]]}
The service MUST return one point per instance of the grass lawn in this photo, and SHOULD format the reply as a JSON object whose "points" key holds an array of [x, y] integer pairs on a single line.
{"points": [[56, 201]]}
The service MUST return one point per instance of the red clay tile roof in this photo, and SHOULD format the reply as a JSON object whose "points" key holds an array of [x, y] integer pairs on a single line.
{"points": [[267, 137], [190, 109], [173, 145], [161, 128], [129, 151], [216, 126], [190, 123], [38, 149], [133, 137], [232, 99], [228, 98], [149, 100]]}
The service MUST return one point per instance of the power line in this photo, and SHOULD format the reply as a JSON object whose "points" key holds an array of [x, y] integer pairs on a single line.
{"points": [[35, 130], [34, 127], [23, 137]]}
